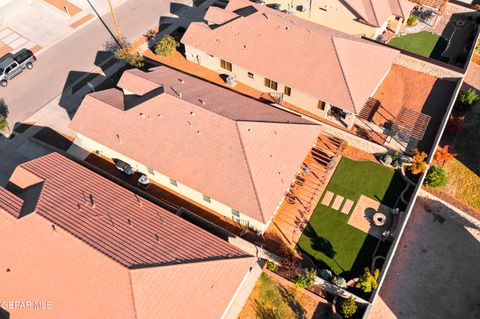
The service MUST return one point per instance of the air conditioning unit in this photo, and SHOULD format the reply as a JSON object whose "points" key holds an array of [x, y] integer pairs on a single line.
{"points": [[231, 80], [302, 8]]}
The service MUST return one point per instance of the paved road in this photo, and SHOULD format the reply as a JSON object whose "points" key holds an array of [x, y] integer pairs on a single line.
{"points": [[33, 89]]}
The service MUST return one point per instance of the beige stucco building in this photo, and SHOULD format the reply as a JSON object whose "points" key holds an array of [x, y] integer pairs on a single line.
{"points": [[223, 151], [296, 62]]}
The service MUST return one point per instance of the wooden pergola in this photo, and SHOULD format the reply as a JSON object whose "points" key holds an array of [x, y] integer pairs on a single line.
{"points": [[411, 123], [436, 4]]}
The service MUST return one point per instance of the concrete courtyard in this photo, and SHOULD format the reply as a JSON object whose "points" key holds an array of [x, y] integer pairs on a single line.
{"points": [[434, 273]]}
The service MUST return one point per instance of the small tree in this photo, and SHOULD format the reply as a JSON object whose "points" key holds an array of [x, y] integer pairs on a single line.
{"points": [[166, 46], [418, 165], [367, 282], [442, 154], [412, 20], [436, 177], [306, 279], [466, 99], [271, 266], [3, 123], [136, 59], [348, 307]]}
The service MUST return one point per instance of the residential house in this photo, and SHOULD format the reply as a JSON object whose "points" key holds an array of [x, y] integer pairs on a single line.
{"points": [[368, 18], [322, 71], [221, 150], [76, 245]]}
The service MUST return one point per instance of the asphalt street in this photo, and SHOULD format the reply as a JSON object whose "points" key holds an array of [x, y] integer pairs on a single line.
{"points": [[34, 88]]}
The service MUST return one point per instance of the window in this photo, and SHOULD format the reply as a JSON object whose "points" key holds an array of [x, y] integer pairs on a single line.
{"points": [[150, 171], [271, 84], [250, 75], [287, 91], [173, 182], [235, 213], [207, 199], [321, 105], [226, 65]]}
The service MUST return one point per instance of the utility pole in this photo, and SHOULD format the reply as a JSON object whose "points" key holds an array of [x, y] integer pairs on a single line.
{"points": [[120, 39]]}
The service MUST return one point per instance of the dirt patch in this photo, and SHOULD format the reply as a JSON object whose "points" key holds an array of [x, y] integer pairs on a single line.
{"points": [[443, 194], [358, 155], [271, 299], [421, 92]]}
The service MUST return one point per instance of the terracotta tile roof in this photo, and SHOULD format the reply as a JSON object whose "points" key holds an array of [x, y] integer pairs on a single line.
{"points": [[10, 203], [219, 16], [376, 12], [49, 256], [231, 148], [260, 41], [129, 229], [207, 288], [401, 8]]}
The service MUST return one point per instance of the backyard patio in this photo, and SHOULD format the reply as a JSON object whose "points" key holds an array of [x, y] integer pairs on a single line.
{"points": [[339, 235]]}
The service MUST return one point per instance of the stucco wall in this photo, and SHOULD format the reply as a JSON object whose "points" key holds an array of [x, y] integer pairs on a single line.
{"points": [[164, 180], [298, 98], [330, 13]]}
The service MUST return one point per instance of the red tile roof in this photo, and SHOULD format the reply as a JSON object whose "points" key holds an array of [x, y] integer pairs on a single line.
{"points": [[129, 229], [47, 255], [261, 41], [10, 203], [236, 150]]}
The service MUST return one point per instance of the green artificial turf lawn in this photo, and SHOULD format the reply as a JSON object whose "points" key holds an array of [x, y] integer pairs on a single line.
{"points": [[423, 43], [328, 238]]}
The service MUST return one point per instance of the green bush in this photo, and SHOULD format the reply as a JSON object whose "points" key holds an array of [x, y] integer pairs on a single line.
{"points": [[3, 123], [166, 46], [306, 279], [367, 282], [412, 20], [436, 177], [348, 307], [466, 99], [271, 266], [136, 59]]}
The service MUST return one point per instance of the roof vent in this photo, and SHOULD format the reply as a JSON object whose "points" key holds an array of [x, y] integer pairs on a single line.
{"points": [[159, 116], [157, 238], [201, 101], [181, 81], [266, 15], [287, 28], [244, 46], [92, 202], [189, 123], [142, 115], [192, 113], [119, 140], [198, 132]]}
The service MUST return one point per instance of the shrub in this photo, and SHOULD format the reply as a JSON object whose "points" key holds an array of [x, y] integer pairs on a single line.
{"points": [[466, 99], [418, 165], [166, 46], [136, 59], [367, 282], [442, 154], [306, 279], [271, 266], [436, 177], [290, 265], [339, 282], [3, 123], [412, 20], [348, 307]]}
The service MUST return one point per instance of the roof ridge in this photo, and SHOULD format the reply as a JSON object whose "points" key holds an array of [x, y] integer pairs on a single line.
{"points": [[249, 171], [132, 294], [374, 12], [343, 71]]}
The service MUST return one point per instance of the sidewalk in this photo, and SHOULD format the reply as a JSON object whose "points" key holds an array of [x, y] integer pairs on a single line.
{"points": [[37, 24]]}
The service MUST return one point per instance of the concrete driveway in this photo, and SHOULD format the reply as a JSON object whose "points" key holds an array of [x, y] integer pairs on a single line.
{"points": [[435, 272]]}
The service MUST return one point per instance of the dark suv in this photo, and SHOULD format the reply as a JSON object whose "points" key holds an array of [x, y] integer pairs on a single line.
{"points": [[12, 65]]}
